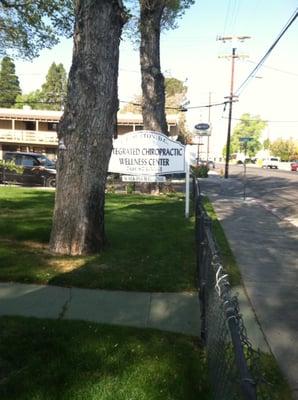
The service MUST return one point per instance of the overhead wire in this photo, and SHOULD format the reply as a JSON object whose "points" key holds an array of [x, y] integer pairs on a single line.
{"points": [[261, 62], [273, 68]]}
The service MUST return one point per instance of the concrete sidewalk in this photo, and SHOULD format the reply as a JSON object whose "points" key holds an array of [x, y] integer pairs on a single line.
{"points": [[175, 312], [266, 249]]}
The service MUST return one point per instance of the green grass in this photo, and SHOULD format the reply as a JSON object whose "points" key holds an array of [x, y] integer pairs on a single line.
{"points": [[226, 253], [72, 360], [150, 244]]}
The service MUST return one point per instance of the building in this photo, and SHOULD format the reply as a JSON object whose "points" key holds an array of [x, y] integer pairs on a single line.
{"points": [[36, 130]]}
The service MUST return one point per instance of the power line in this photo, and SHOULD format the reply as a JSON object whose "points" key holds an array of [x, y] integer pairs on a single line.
{"points": [[274, 69], [258, 66], [265, 120]]}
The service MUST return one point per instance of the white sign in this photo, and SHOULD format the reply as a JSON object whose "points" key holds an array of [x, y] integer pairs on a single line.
{"points": [[143, 178], [203, 129], [146, 153]]}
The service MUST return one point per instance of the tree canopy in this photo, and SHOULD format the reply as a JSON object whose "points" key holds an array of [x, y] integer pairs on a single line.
{"points": [[249, 126], [31, 25], [172, 11], [52, 94], [9, 83], [285, 149]]}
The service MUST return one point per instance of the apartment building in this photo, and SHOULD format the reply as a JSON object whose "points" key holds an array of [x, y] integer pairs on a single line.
{"points": [[36, 130]]}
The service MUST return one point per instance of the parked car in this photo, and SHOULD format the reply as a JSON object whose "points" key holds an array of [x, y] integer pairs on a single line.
{"points": [[37, 169], [210, 164], [294, 165], [271, 162]]}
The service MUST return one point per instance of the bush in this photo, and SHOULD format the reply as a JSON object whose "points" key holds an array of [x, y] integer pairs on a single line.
{"points": [[200, 171]]}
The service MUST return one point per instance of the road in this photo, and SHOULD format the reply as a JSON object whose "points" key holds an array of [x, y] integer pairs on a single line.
{"points": [[276, 189]]}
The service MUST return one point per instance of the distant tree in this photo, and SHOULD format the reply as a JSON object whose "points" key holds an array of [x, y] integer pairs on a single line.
{"points": [[249, 126], [28, 26], [266, 144], [152, 16], [9, 83], [32, 99], [135, 106], [52, 94], [175, 91], [285, 149], [174, 95], [53, 91]]}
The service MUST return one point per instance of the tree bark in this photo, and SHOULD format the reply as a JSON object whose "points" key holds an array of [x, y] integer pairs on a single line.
{"points": [[87, 128], [153, 86]]}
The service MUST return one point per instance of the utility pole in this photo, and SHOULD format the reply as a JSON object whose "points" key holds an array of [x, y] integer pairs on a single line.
{"points": [[231, 96], [209, 120]]}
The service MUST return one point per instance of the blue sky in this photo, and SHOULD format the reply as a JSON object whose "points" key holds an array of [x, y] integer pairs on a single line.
{"points": [[192, 52]]}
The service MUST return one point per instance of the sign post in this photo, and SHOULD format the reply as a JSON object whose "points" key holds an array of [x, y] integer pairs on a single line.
{"points": [[245, 140], [187, 180]]}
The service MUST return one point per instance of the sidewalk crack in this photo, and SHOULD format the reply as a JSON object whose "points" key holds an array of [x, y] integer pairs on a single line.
{"points": [[65, 306]]}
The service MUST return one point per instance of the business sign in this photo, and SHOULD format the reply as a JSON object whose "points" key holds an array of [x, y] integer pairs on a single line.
{"points": [[146, 153], [202, 129]]}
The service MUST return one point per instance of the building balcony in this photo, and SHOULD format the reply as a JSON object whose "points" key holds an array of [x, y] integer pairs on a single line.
{"points": [[28, 137]]}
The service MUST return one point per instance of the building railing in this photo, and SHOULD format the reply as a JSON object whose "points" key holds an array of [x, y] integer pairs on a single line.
{"points": [[231, 358], [28, 137]]}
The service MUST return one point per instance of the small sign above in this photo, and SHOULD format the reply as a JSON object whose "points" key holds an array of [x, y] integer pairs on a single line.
{"points": [[202, 127]]}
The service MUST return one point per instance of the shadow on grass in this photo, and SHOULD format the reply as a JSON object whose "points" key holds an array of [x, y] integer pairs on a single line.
{"points": [[150, 245], [47, 360], [26, 214]]}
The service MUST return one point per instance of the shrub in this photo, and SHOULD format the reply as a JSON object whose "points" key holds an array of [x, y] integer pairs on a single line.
{"points": [[200, 171]]}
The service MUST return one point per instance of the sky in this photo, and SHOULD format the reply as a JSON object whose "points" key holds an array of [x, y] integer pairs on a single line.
{"points": [[193, 54]]}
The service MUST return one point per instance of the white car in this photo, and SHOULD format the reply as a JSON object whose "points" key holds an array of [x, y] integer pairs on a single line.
{"points": [[271, 162]]}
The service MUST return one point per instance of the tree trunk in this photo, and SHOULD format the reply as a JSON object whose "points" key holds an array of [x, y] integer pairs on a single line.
{"points": [[87, 128], [153, 87]]}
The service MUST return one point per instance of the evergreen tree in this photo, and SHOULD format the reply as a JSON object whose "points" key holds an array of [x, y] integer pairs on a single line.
{"points": [[32, 99], [53, 91], [9, 83]]}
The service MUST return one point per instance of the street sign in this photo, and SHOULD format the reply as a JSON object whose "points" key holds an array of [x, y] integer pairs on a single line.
{"points": [[245, 139]]}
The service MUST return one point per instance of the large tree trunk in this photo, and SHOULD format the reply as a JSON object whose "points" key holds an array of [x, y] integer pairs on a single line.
{"points": [[87, 128], [153, 87]]}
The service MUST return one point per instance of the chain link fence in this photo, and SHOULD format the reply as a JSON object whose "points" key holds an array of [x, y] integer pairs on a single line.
{"points": [[232, 361]]}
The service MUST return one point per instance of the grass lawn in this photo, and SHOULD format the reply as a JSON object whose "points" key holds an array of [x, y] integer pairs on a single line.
{"points": [[226, 253], [71, 360], [150, 244]]}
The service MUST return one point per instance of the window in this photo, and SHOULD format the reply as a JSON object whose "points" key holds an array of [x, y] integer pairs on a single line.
{"points": [[52, 126], [30, 125], [29, 161]]}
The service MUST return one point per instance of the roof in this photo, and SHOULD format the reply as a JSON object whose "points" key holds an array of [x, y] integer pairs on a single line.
{"points": [[54, 116], [28, 114]]}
